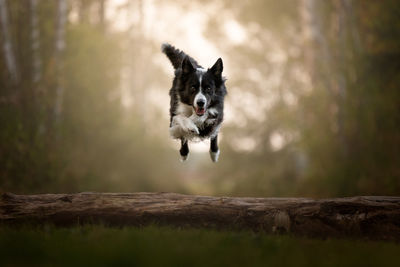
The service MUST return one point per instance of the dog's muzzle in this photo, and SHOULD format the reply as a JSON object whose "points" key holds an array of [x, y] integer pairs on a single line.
{"points": [[200, 111], [200, 107]]}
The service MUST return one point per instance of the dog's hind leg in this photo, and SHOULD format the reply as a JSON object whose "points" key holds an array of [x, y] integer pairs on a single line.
{"points": [[214, 149], [184, 151]]}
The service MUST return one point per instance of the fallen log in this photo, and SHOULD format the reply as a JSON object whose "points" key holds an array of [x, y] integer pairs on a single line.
{"points": [[372, 217]]}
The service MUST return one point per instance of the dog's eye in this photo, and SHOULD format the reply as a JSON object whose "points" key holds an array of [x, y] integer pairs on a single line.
{"points": [[193, 89], [208, 89]]}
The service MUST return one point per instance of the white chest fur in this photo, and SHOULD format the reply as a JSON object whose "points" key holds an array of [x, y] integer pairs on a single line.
{"points": [[200, 121], [186, 123], [184, 110]]}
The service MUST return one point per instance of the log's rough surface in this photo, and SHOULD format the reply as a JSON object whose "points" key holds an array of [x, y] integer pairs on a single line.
{"points": [[372, 217]]}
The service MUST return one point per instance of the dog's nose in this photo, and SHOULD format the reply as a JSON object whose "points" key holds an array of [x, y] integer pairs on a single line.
{"points": [[200, 103]]}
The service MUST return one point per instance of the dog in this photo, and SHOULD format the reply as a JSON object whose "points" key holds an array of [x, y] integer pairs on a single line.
{"points": [[197, 101]]}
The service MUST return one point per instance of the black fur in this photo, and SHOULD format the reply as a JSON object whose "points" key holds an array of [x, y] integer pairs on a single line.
{"points": [[176, 56], [192, 80]]}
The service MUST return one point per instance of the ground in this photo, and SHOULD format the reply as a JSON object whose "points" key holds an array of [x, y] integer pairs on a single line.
{"points": [[161, 246]]}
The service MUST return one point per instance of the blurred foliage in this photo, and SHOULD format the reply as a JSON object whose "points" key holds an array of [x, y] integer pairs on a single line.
{"points": [[313, 90], [343, 136], [94, 147]]}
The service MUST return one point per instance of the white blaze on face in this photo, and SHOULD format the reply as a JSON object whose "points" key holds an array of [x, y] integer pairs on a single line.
{"points": [[200, 96]]}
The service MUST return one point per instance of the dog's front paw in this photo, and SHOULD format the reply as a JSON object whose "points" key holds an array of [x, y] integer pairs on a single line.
{"points": [[214, 155], [190, 127], [176, 132], [212, 112], [194, 130], [210, 121], [184, 158]]}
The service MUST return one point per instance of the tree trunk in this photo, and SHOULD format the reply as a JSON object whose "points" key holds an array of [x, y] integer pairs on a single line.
{"points": [[317, 53], [370, 217], [9, 55], [102, 14], [35, 43], [60, 47], [83, 15]]}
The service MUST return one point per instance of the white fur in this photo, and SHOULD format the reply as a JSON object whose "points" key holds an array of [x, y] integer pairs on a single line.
{"points": [[184, 109], [204, 120], [214, 155], [182, 126], [186, 123], [184, 158], [213, 112], [200, 96], [198, 120]]}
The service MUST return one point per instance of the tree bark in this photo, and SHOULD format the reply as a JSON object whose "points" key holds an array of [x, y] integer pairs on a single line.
{"points": [[102, 13], [316, 48], [35, 42], [369, 217], [59, 50], [9, 55]]}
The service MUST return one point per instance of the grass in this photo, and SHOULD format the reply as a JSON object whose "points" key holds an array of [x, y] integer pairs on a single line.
{"points": [[162, 246]]}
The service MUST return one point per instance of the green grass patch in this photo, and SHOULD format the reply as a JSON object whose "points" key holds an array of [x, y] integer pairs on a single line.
{"points": [[162, 246]]}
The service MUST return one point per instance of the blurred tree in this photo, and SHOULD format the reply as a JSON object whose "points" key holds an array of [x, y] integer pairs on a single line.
{"points": [[7, 43], [102, 13], [329, 136], [35, 42], [60, 47], [313, 97]]}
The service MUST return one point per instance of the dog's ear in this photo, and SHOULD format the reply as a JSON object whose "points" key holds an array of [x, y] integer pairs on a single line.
{"points": [[187, 66], [217, 68]]}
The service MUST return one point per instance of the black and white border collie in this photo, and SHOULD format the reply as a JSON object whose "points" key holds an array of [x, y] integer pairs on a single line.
{"points": [[197, 101]]}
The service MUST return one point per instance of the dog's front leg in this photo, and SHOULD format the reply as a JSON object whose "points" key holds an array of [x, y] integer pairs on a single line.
{"points": [[184, 151], [214, 149], [182, 127]]}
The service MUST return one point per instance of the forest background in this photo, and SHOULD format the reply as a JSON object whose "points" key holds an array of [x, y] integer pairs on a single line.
{"points": [[312, 108]]}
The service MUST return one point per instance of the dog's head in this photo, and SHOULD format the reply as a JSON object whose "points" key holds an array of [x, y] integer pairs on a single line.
{"points": [[199, 86]]}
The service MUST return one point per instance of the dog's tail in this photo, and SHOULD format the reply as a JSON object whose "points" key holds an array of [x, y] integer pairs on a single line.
{"points": [[176, 56]]}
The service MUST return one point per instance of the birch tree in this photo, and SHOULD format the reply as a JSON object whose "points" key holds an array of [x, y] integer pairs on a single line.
{"points": [[318, 57], [102, 13], [35, 43], [83, 11], [60, 47], [7, 44]]}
